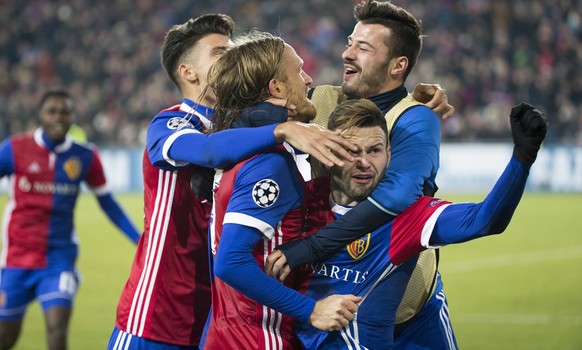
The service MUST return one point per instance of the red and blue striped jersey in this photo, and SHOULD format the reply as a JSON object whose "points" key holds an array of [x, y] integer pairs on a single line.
{"points": [[167, 295], [44, 186]]}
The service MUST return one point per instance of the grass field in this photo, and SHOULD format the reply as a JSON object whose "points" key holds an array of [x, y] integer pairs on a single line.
{"points": [[520, 290]]}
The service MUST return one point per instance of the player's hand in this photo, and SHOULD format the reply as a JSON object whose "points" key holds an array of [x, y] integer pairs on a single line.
{"points": [[334, 312], [276, 265], [435, 98], [326, 146], [291, 108], [528, 127]]}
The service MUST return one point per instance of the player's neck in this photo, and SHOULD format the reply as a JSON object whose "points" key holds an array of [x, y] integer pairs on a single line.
{"points": [[342, 198]]}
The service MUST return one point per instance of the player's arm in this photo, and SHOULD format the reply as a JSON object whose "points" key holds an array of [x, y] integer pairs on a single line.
{"points": [[235, 265], [467, 221], [6, 158], [227, 147], [96, 180], [118, 216], [415, 144], [245, 224]]}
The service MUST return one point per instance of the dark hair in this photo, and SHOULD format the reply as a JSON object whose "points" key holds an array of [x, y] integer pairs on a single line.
{"points": [[357, 113], [406, 38], [181, 38], [54, 93]]}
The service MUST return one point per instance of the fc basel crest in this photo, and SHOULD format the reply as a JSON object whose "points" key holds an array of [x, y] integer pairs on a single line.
{"points": [[72, 168], [358, 248]]}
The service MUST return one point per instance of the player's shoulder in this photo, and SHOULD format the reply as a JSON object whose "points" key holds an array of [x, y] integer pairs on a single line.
{"points": [[277, 162], [20, 138], [325, 98], [417, 118], [423, 205], [87, 147], [174, 119]]}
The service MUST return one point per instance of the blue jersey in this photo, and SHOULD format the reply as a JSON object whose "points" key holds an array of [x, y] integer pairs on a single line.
{"points": [[378, 265]]}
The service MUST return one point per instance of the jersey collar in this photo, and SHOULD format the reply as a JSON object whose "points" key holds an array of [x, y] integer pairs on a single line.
{"points": [[202, 112], [41, 140], [338, 209]]}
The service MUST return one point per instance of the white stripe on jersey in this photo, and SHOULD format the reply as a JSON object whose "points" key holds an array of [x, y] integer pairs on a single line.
{"points": [[271, 321], [190, 110], [159, 227], [429, 227], [249, 221], [445, 320], [170, 141]]}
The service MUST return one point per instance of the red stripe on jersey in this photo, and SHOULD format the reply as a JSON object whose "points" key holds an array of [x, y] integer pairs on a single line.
{"points": [[405, 240]]}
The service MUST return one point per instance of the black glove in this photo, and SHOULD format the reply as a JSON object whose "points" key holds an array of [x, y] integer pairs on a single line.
{"points": [[528, 127], [201, 182]]}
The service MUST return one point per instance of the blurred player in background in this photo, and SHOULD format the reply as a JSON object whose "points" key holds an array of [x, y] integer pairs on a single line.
{"points": [[165, 302], [378, 265], [258, 205], [39, 250]]}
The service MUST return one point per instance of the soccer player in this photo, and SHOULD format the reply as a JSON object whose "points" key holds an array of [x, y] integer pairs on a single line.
{"points": [[258, 205], [165, 301], [39, 249], [377, 266], [380, 54]]}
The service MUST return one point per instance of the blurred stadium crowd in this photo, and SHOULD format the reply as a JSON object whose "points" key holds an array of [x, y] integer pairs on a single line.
{"points": [[487, 54]]}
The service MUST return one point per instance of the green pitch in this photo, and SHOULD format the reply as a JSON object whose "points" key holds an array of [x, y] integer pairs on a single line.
{"points": [[518, 290]]}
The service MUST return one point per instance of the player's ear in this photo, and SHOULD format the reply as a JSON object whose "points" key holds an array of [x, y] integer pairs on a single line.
{"points": [[277, 88], [188, 73], [389, 154], [398, 65]]}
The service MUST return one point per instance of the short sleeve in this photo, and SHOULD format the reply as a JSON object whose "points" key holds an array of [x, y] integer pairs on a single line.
{"points": [[265, 189]]}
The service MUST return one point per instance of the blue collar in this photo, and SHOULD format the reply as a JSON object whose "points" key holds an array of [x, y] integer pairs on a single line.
{"points": [[387, 100]]}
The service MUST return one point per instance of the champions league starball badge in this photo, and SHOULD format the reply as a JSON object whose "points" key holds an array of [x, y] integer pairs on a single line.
{"points": [[265, 193], [178, 123]]}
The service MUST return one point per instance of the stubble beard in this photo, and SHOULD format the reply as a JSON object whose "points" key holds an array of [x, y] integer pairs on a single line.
{"points": [[367, 84]]}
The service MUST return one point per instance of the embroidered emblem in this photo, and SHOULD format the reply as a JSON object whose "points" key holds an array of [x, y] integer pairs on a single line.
{"points": [[358, 248], [72, 168]]}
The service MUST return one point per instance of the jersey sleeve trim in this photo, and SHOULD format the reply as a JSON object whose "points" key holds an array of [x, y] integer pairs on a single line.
{"points": [[428, 228], [170, 141], [101, 190], [249, 221], [381, 207]]}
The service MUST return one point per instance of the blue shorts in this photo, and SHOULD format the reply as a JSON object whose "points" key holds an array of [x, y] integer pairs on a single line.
{"points": [[121, 340], [19, 287], [430, 329]]}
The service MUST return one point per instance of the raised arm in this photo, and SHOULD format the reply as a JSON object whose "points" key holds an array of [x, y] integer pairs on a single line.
{"points": [[467, 221]]}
